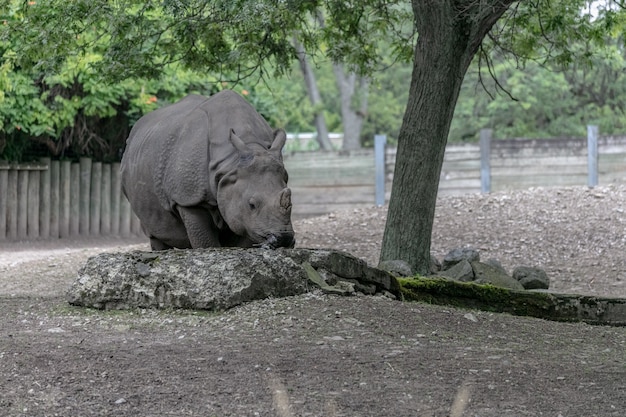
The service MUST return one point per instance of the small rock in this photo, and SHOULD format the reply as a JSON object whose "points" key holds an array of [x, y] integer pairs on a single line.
{"points": [[496, 264], [56, 330], [457, 255], [120, 401], [461, 271], [143, 270], [435, 265], [531, 278], [471, 317], [487, 274], [396, 267]]}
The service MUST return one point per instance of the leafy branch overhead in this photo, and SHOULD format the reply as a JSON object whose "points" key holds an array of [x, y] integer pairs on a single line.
{"points": [[137, 38]]}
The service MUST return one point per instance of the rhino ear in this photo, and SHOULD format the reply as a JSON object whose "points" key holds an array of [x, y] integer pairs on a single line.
{"points": [[239, 144], [279, 141]]}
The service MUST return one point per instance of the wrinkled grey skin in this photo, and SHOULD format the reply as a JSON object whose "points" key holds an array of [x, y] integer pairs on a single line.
{"points": [[208, 172]]}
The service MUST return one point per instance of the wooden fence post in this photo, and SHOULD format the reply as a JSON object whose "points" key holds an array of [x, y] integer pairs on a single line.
{"points": [[55, 199], [12, 204], [105, 201], [33, 204], [4, 191], [379, 157], [22, 204], [592, 155], [44, 199], [485, 163], [125, 215], [64, 198], [75, 176], [115, 198], [85, 194], [94, 201]]}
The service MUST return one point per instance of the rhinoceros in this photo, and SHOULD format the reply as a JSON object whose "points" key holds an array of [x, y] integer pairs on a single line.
{"points": [[208, 172]]}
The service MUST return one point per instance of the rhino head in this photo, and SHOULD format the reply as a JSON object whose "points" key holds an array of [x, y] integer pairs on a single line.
{"points": [[253, 199]]}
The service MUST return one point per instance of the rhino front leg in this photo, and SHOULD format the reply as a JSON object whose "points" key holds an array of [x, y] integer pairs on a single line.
{"points": [[201, 230]]}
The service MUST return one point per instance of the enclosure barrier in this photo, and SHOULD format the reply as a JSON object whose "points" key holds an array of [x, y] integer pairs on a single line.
{"points": [[509, 164], [54, 199], [61, 199]]}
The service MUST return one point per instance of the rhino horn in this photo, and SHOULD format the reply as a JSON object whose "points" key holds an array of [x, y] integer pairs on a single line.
{"points": [[285, 199], [279, 141]]}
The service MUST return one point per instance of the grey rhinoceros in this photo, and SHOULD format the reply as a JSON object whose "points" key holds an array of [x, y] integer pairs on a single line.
{"points": [[208, 172]]}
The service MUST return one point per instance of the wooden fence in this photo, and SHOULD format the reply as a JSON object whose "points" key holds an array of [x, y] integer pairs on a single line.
{"points": [[322, 182], [460, 173], [523, 163], [60, 199], [326, 181], [55, 199]]}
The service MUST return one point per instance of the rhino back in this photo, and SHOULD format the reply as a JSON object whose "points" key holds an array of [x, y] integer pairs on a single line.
{"points": [[164, 155]]}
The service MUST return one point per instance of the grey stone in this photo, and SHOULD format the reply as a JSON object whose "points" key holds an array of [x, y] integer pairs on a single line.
{"points": [[345, 265], [396, 267], [531, 278], [219, 278], [488, 274], [316, 278], [457, 255], [461, 271], [435, 265], [496, 264]]}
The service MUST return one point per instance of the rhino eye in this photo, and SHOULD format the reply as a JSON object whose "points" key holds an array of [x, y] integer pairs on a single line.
{"points": [[252, 204]]}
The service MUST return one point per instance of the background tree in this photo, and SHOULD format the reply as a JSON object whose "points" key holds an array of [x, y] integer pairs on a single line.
{"points": [[353, 96], [536, 99], [314, 95]]}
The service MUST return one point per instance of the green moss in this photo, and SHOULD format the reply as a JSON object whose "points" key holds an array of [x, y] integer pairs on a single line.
{"points": [[479, 296]]}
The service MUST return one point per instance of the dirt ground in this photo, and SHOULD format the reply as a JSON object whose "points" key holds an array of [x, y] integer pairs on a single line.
{"points": [[318, 355]]}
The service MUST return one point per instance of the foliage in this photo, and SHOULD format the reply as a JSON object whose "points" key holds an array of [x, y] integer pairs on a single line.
{"points": [[140, 38], [95, 64], [74, 113], [546, 100]]}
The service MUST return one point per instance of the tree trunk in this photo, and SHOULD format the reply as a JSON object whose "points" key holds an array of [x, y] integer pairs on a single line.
{"points": [[449, 35], [353, 92], [314, 97]]}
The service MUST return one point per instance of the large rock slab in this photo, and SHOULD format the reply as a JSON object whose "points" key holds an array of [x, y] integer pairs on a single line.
{"points": [[218, 279]]}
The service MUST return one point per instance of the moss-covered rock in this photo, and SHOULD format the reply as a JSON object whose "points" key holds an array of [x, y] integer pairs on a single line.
{"points": [[546, 305]]}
